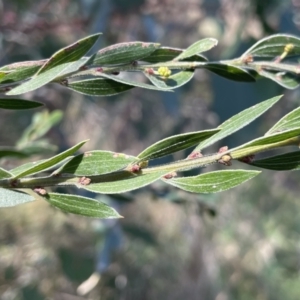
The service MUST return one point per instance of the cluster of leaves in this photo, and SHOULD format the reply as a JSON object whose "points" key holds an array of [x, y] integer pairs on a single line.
{"points": [[107, 73]]}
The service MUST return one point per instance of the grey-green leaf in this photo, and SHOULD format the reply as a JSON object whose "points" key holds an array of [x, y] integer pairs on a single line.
{"points": [[287, 80], [10, 198], [197, 47], [239, 121], [4, 174], [175, 143], [83, 206], [99, 87], [123, 53], [47, 163], [16, 104], [282, 162], [123, 182], [21, 73], [289, 121], [229, 72], [164, 54], [40, 80], [66, 60], [274, 45], [213, 182], [41, 123], [134, 83], [22, 65], [5, 151], [70, 53], [172, 82], [272, 139], [20, 169], [96, 163]]}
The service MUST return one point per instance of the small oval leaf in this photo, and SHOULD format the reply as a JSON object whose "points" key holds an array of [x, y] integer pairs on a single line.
{"points": [[282, 162], [99, 87], [230, 72], [20, 169], [22, 65], [70, 53], [19, 74], [164, 54], [66, 60], [239, 121], [173, 81], [16, 104], [213, 182], [175, 143], [197, 47], [9, 198], [40, 80], [133, 83], [4, 174], [274, 45], [5, 151], [271, 139], [123, 53], [96, 163], [123, 181], [289, 121], [47, 163], [287, 80], [80, 205]]}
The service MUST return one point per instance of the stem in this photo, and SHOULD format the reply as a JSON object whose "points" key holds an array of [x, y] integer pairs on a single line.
{"points": [[273, 66], [94, 71], [181, 165]]}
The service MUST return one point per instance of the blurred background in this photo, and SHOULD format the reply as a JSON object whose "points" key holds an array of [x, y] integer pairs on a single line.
{"points": [[239, 244]]}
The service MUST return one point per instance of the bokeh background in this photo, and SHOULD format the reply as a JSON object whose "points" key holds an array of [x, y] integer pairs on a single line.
{"points": [[236, 245]]}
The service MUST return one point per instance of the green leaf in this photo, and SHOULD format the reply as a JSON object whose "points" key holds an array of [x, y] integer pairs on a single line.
{"points": [[123, 53], [39, 147], [96, 163], [123, 181], [64, 61], [2, 74], [80, 205], [4, 174], [20, 74], [99, 87], [164, 54], [40, 125], [198, 47], [10, 198], [43, 165], [22, 65], [270, 139], [39, 80], [283, 162], [289, 121], [5, 151], [18, 104], [229, 72], [274, 45], [213, 182], [287, 80], [172, 82], [20, 169], [133, 83], [175, 143], [239, 121], [70, 53]]}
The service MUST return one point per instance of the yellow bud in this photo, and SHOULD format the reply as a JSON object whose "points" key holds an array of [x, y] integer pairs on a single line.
{"points": [[164, 71], [288, 48]]}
